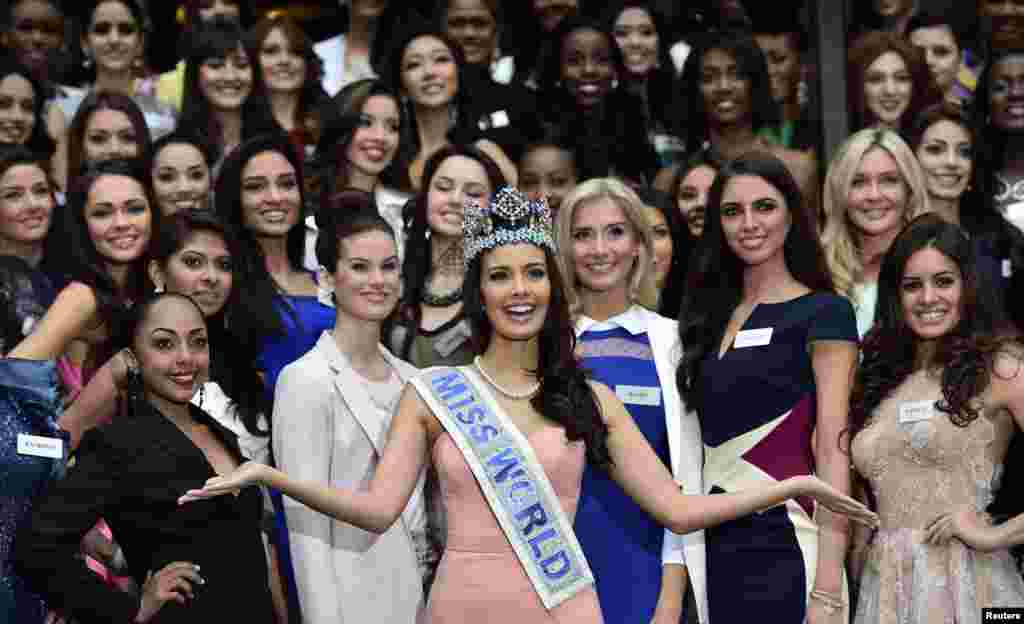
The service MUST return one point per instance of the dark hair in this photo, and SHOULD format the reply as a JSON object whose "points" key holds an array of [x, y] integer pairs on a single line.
{"points": [[864, 51], [94, 102], [682, 245], [929, 17], [416, 266], [135, 403], [565, 395], [39, 140], [54, 247], [218, 40], [441, 8], [889, 348], [351, 212], [550, 62], [192, 12], [312, 96], [261, 317], [332, 165], [700, 158], [180, 137], [715, 281], [463, 130], [231, 365], [764, 110]]}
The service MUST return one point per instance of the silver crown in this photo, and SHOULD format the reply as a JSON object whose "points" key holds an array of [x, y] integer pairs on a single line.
{"points": [[510, 218]]}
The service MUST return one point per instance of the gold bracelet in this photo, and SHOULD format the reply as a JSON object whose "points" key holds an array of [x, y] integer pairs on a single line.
{"points": [[833, 603]]}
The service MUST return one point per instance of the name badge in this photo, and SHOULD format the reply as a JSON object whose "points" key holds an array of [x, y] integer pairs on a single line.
{"points": [[449, 341], [916, 411], [499, 119], [639, 395], [1014, 213], [1007, 268], [753, 338], [38, 446]]}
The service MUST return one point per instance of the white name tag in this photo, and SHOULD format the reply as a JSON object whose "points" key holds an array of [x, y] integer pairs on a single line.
{"points": [[916, 411], [1015, 214], [639, 395], [753, 338], [38, 446], [1007, 268]]}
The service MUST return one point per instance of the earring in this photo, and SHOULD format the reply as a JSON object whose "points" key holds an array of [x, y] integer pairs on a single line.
{"points": [[615, 83], [86, 60]]}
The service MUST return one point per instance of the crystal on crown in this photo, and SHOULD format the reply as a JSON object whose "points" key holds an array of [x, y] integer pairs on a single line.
{"points": [[510, 218]]}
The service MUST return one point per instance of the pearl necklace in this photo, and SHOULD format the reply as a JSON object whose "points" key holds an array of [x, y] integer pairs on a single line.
{"points": [[517, 396]]}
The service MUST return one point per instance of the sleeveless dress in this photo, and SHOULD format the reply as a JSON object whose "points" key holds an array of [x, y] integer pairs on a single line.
{"points": [[622, 543], [28, 406], [758, 407], [919, 465], [479, 578]]}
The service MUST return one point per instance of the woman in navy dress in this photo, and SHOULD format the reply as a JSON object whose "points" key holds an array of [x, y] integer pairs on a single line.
{"points": [[606, 244], [769, 350]]}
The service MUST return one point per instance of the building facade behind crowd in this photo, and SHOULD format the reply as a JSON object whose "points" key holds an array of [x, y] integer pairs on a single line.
{"points": [[189, 217]]}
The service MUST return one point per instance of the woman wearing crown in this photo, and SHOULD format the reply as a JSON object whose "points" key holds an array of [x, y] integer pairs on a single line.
{"points": [[509, 436]]}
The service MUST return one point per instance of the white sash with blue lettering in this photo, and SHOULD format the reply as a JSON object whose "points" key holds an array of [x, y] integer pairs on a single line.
{"points": [[512, 480]]}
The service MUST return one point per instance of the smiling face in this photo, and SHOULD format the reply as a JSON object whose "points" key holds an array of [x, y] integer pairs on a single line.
{"points": [[226, 82], [930, 293], [547, 172], [587, 66], [119, 218], [457, 180], [724, 89], [201, 269], [173, 352], [367, 278], [692, 197], [887, 89], [17, 109], [36, 32], [375, 140], [605, 247], [284, 68], [271, 198], [755, 219], [515, 288], [940, 52], [109, 135], [637, 37], [473, 26], [429, 74], [26, 205], [114, 39], [1006, 93], [661, 239], [878, 195], [946, 158], [181, 178]]}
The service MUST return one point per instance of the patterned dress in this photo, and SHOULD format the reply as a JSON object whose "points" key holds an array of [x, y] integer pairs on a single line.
{"points": [[758, 414], [920, 465]]}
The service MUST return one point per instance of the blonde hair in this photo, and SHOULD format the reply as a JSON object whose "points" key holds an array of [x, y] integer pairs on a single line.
{"points": [[642, 289], [839, 239]]}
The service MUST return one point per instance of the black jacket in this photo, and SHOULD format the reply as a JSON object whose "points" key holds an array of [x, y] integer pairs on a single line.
{"points": [[131, 473]]}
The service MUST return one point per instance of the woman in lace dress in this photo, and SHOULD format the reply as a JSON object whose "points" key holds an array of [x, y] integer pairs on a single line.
{"points": [[934, 407]]}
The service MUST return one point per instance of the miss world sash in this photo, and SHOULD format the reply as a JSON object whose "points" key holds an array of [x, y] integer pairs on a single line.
{"points": [[512, 480]]}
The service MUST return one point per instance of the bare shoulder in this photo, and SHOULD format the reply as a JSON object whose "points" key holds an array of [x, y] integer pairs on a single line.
{"points": [[413, 409], [78, 297]]}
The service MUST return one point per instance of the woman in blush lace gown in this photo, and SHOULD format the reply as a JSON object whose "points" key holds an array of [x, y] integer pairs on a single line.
{"points": [[531, 386], [935, 405]]}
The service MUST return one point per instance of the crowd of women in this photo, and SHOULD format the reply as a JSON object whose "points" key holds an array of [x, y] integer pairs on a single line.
{"points": [[466, 315]]}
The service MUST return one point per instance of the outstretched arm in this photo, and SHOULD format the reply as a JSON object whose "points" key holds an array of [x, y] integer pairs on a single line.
{"points": [[69, 316], [645, 479], [373, 509]]}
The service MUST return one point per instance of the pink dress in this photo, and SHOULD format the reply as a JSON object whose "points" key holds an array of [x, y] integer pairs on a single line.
{"points": [[479, 578]]}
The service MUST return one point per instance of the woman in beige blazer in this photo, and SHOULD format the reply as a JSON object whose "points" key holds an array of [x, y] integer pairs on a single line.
{"points": [[332, 411]]}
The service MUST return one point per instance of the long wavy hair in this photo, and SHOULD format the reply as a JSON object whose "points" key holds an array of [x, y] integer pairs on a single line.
{"points": [[642, 289], [39, 139], [418, 262], [692, 119], [218, 40], [715, 283], [864, 51], [230, 365], [258, 292], [93, 103], [841, 242], [565, 396]]}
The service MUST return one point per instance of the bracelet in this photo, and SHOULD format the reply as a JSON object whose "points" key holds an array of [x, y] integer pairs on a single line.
{"points": [[833, 603]]}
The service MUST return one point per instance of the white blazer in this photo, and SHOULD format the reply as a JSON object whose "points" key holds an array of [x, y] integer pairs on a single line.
{"points": [[686, 447], [326, 429], [332, 52]]}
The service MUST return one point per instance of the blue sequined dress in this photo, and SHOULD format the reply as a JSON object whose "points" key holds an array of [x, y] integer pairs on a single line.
{"points": [[29, 405]]}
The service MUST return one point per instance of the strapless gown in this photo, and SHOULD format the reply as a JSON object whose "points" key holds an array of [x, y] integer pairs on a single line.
{"points": [[479, 578]]}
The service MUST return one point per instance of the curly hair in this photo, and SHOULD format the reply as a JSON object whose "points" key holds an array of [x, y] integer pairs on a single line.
{"points": [[864, 51]]}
